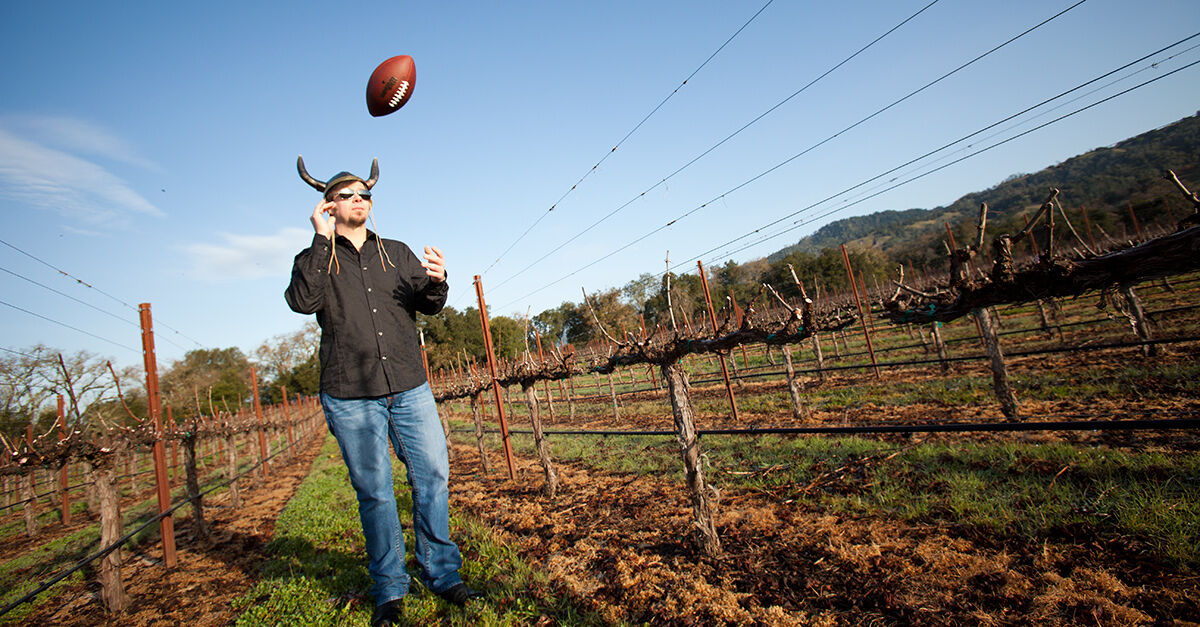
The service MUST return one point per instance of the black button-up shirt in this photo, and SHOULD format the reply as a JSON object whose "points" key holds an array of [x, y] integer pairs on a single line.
{"points": [[367, 311]]}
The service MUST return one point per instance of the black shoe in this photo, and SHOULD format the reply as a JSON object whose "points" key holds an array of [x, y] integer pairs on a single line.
{"points": [[388, 613], [460, 594]]}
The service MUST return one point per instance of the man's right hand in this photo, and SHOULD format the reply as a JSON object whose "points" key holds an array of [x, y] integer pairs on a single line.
{"points": [[324, 224]]}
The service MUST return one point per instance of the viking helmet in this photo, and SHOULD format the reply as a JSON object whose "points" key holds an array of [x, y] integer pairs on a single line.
{"points": [[340, 177]]}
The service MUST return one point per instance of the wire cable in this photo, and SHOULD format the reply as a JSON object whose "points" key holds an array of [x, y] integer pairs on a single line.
{"points": [[63, 324], [65, 295], [863, 199], [1153, 65], [790, 159], [90, 286], [85, 304], [939, 168], [731, 136], [627, 136]]}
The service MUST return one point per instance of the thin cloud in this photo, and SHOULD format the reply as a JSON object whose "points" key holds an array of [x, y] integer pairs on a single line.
{"points": [[45, 178], [78, 137], [247, 256]]}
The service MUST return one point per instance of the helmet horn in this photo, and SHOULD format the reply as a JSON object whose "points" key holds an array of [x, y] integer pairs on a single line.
{"points": [[317, 185], [370, 182]]}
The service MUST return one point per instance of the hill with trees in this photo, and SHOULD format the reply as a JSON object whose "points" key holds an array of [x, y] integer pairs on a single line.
{"points": [[1112, 184], [1105, 182]]}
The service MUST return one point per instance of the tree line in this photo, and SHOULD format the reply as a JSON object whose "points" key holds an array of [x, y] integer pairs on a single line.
{"points": [[1110, 194], [204, 381]]}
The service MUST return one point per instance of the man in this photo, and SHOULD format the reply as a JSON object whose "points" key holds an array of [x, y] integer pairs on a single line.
{"points": [[366, 292]]}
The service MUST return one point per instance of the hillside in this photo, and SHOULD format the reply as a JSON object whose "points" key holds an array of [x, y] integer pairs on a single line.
{"points": [[1105, 181]]}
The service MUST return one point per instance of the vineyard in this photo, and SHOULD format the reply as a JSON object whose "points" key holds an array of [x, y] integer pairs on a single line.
{"points": [[1070, 515], [995, 446], [755, 314], [1014, 443]]}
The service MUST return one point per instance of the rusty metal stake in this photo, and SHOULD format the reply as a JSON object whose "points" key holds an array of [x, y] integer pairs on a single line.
{"points": [[712, 316], [166, 526], [287, 415], [491, 359], [861, 315], [62, 475], [262, 437]]}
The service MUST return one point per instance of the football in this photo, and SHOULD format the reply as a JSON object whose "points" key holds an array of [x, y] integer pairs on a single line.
{"points": [[391, 85]]}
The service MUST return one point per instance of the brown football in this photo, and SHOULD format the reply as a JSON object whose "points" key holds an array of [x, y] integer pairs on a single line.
{"points": [[391, 85]]}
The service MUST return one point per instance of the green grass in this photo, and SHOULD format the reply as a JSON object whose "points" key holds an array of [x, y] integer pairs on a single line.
{"points": [[1013, 492], [316, 571]]}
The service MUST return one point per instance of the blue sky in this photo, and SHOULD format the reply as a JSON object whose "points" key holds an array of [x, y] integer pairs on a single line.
{"points": [[148, 149]]}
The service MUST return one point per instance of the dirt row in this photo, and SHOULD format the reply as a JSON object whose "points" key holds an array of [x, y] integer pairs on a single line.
{"points": [[209, 574], [620, 545]]}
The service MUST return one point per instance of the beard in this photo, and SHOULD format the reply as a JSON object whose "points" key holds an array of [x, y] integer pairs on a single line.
{"points": [[354, 221], [352, 218]]}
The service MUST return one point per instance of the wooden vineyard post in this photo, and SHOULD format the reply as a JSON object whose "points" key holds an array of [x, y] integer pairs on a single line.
{"points": [[477, 414], [549, 401], [231, 472], [542, 361], [939, 345], [63, 479], [799, 411], [287, 417], [689, 448], [442, 415], [1000, 382], [174, 447], [166, 525], [445, 420], [543, 449], [613, 391], [262, 437], [30, 506], [193, 481], [924, 339], [712, 316], [508, 403], [491, 359], [29, 487], [570, 397], [816, 343], [1045, 318], [112, 589], [1137, 317]]}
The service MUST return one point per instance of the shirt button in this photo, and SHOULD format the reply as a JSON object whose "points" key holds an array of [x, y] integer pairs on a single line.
{"points": [[364, 267], [384, 358], [381, 333], [374, 310], [368, 289]]}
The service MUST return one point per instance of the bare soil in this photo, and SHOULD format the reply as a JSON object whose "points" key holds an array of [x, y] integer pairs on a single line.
{"points": [[209, 574], [620, 544]]}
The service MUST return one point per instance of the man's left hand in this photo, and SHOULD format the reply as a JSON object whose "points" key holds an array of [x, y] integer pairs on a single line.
{"points": [[435, 264]]}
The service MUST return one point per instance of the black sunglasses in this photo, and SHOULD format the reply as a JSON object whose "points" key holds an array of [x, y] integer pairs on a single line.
{"points": [[348, 194]]}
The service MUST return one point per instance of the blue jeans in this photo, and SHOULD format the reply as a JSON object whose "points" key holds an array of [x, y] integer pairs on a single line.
{"points": [[363, 427]]}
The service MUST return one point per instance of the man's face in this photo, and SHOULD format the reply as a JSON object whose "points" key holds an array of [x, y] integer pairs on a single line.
{"points": [[349, 208]]}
